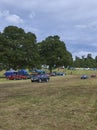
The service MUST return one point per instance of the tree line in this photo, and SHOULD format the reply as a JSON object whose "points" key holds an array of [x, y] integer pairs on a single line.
{"points": [[85, 62], [20, 49]]}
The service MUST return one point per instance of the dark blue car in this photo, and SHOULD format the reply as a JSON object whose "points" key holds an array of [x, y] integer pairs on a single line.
{"points": [[84, 77], [40, 78]]}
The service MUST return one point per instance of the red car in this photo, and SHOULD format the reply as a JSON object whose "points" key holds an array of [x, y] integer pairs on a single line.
{"points": [[93, 75], [16, 77]]}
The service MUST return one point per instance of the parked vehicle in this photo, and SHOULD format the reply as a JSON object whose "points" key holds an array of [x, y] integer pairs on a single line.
{"points": [[84, 77], [93, 75], [24, 72], [16, 77], [37, 71], [40, 78], [53, 74], [57, 74], [10, 72], [20, 74], [60, 74]]}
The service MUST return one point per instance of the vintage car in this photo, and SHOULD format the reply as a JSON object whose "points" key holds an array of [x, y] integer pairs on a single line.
{"points": [[84, 77], [40, 78]]}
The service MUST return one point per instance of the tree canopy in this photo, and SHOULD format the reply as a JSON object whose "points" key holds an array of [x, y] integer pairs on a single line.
{"points": [[53, 52], [18, 49], [86, 62]]}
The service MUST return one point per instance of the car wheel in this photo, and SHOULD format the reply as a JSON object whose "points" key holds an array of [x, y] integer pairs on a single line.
{"points": [[40, 80], [47, 80]]}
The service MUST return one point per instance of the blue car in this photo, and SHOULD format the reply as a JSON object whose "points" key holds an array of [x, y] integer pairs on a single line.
{"points": [[40, 78], [60, 74], [84, 77]]}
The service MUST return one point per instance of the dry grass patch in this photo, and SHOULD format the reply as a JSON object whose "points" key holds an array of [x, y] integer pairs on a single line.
{"points": [[64, 103]]}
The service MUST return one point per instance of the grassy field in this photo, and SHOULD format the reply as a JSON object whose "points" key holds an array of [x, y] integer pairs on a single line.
{"points": [[64, 103]]}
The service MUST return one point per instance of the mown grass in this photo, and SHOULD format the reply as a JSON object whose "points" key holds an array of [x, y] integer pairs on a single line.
{"points": [[64, 103]]}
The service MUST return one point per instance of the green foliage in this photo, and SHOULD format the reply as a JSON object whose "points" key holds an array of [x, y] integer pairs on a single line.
{"points": [[54, 52], [87, 62], [18, 49]]}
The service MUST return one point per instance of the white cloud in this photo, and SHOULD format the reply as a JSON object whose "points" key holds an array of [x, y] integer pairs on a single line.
{"points": [[10, 18], [75, 21], [14, 19]]}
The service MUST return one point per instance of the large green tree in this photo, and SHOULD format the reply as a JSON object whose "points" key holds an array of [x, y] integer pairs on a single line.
{"points": [[53, 52], [19, 49]]}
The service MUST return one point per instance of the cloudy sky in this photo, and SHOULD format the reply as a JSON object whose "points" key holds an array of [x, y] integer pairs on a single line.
{"points": [[75, 21]]}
